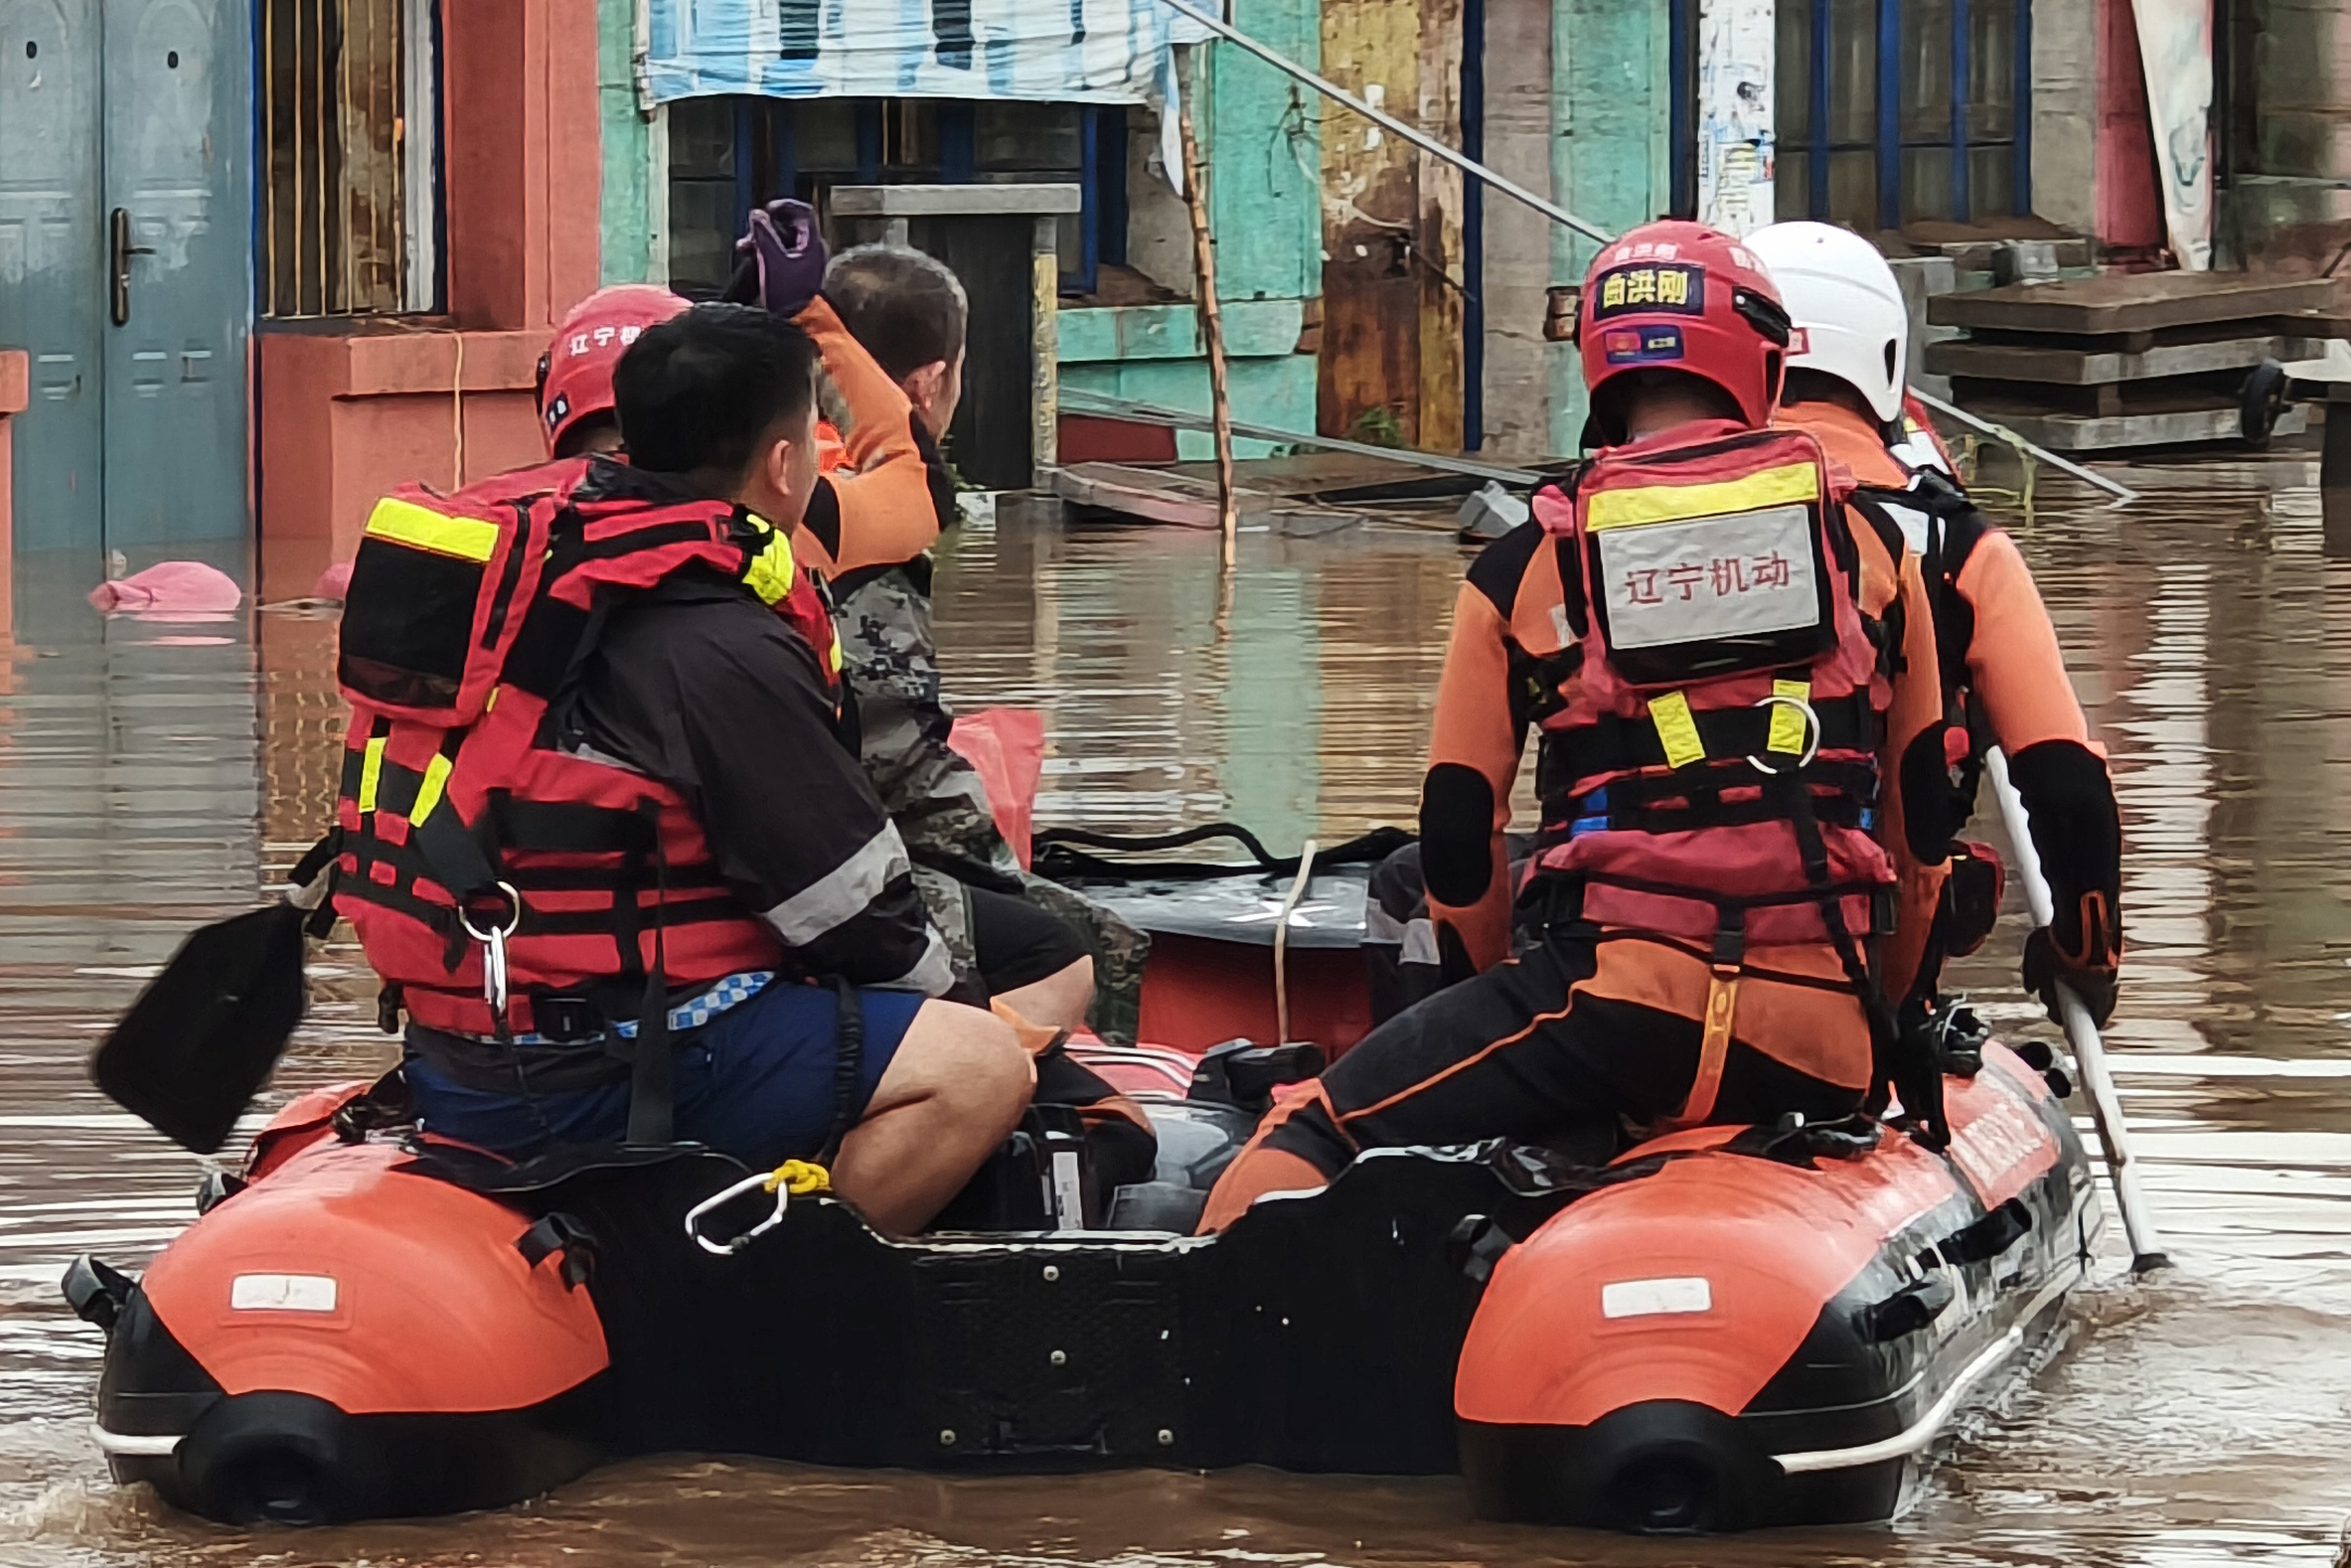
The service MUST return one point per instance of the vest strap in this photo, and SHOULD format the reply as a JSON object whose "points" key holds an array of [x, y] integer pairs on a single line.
{"points": [[1622, 745]]}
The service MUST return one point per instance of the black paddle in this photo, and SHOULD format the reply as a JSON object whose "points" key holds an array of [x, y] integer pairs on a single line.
{"points": [[202, 1038]]}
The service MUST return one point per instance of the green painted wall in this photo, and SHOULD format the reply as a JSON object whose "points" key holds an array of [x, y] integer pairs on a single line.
{"points": [[1275, 391], [1262, 138], [627, 219], [1611, 159]]}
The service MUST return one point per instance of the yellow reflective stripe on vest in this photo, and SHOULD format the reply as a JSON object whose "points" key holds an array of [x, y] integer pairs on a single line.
{"points": [[429, 792], [1678, 729], [370, 771], [1773, 487], [769, 573], [1789, 728], [405, 523]]}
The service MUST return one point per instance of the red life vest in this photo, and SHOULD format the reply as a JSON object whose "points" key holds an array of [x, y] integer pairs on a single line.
{"points": [[459, 811], [1711, 769]]}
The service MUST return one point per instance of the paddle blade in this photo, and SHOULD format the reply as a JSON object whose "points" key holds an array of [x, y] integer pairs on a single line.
{"points": [[203, 1036]]}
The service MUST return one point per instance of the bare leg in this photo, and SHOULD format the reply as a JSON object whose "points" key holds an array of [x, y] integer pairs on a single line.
{"points": [[950, 1094], [1059, 1001]]}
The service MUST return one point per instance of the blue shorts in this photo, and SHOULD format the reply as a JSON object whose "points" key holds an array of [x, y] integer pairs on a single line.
{"points": [[755, 1082]]}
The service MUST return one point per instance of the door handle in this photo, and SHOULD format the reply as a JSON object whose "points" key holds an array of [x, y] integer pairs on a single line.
{"points": [[119, 251]]}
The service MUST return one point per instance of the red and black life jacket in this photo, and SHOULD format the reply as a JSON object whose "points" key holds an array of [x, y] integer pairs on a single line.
{"points": [[1711, 770], [461, 812]]}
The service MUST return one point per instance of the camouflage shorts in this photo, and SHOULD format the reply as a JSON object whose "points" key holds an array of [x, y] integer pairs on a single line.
{"points": [[1117, 948]]}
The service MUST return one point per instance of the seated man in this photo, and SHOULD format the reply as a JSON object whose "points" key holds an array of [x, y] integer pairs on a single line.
{"points": [[1707, 639], [654, 803], [2004, 680], [1032, 942]]}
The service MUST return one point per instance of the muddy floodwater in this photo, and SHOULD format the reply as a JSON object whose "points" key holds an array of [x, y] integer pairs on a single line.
{"points": [[152, 774]]}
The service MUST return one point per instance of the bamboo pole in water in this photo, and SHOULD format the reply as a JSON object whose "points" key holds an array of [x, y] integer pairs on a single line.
{"points": [[1203, 260]]}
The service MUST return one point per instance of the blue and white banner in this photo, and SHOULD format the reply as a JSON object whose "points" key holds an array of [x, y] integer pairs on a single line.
{"points": [[1056, 51]]}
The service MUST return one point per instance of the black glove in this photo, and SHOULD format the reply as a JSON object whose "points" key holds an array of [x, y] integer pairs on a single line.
{"points": [[2086, 958]]}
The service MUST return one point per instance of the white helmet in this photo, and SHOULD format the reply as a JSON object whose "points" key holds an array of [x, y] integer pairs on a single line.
{"points": [[1839, 290]]}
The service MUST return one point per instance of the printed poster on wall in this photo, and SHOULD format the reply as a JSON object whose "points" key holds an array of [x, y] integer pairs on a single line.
{"points": [[1735, 149], [2175, 46]]}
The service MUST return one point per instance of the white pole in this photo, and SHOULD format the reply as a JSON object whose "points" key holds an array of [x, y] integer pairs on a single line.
{"points": [[2089, 1055]]}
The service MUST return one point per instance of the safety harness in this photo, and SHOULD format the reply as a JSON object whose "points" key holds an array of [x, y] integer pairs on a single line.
{"points": [[1709, 767]]}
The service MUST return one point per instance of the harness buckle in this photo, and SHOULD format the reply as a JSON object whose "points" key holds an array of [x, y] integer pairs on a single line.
{"points": [[566, 1020]]}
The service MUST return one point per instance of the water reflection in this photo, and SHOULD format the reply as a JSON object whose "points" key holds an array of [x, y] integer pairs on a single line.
{"points": [[152, 775]]}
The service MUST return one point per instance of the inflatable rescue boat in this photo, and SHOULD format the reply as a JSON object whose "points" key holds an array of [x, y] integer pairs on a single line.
{"points": [[1721, 1328]]}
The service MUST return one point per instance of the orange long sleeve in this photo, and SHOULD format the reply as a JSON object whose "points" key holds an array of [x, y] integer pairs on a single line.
{"points": [[1465, 801], [1914, 723], [885, 507], [2013, 662]]}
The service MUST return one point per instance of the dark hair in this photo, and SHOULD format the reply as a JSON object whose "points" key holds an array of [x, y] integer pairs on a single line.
{"points": [[1615, 397], [698, 393], [584, 431], [904, 308]]}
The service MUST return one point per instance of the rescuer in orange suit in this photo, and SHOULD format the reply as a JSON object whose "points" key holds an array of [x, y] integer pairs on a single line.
{"points": [[1730, 671], [2003, 675]]}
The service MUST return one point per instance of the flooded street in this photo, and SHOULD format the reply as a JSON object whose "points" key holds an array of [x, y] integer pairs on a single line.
{"points": [[151, 774]]}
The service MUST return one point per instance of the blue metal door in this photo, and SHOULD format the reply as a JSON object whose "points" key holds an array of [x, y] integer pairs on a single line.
{"points": [[178, 287], [125, 248], [51, 259]]}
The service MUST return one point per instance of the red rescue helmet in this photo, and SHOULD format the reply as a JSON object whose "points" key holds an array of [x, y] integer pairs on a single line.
{"points": [[1682, 297], [576, 371]]}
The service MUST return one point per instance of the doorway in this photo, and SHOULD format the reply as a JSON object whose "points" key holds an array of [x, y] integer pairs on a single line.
{"points": [[125, 267]]}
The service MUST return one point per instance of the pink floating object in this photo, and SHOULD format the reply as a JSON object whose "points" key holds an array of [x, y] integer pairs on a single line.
{"points": [[186, 586], [1006, 747], [334, 583]]}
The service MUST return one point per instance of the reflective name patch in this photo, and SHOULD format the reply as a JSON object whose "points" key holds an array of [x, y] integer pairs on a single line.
{"points": [[1656, 1298], [1745, 574], [281, 1293], [1651, 286]]}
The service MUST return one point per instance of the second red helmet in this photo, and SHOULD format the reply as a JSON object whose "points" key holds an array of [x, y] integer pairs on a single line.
{"points": [[575, 372], [1679, 296]]}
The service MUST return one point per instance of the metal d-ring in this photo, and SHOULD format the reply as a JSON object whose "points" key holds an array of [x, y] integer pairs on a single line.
{"points": [[494, 974], [514, 915], [1811, 732]]}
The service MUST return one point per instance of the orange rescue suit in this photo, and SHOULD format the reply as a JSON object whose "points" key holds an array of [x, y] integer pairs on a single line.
{"points": [[1510, 638], [2005, 683]]}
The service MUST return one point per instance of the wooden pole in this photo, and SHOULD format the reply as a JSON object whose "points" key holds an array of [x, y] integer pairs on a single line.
{"points": [[1204, 262]]}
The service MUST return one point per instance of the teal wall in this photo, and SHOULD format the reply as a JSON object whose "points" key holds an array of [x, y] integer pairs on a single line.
{"points": [[627, 225], [1260, 133], [1152, 354], [1611, 162], [1259, 137]]}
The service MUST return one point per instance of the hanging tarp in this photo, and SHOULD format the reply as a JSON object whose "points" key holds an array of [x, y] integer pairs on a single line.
{"points": [[2175, 46], [1735, 148], [1055, 51]]}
